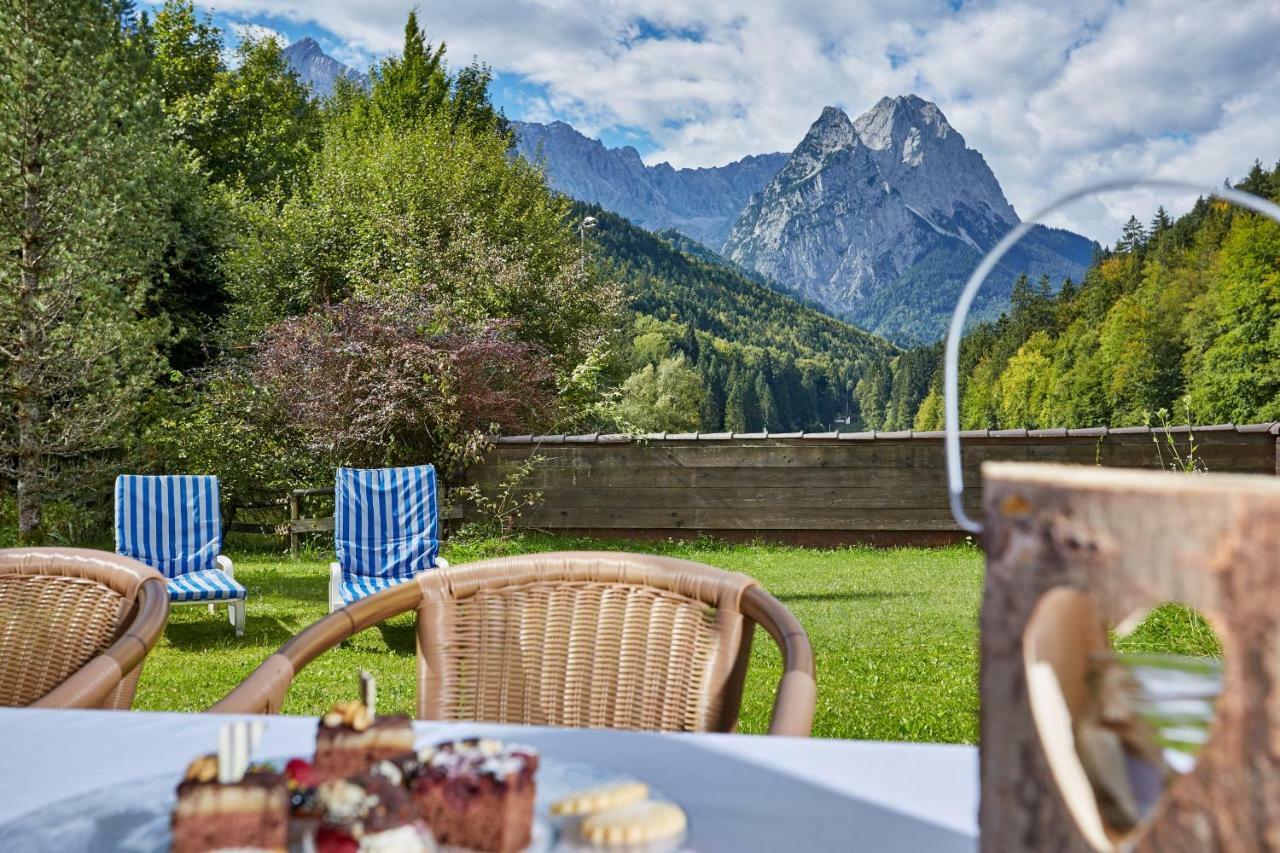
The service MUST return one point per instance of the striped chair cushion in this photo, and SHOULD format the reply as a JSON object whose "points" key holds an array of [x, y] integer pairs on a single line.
{"points": [[386, 524], [172, 524], [211, 585], [356, 587]]}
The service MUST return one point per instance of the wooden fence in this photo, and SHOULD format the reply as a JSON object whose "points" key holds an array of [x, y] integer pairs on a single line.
{"points": [[283, 515], [814, 488]]}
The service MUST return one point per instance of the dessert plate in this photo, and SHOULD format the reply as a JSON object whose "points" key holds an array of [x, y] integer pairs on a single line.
{"points": [[134, 817]]}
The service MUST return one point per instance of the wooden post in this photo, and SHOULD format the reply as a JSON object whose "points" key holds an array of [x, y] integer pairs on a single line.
{"points": [[295, 512], [1130, 540]]}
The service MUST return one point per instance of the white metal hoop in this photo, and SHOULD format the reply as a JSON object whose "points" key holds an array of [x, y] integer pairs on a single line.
{"points": [[951, 357]]}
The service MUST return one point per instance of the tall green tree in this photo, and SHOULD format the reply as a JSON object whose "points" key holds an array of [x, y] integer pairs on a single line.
{"points": [[83, 212], [416, 86], [254, 126]]}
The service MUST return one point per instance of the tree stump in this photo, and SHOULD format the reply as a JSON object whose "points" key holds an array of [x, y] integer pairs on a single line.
{"points": [[1129, 540]]}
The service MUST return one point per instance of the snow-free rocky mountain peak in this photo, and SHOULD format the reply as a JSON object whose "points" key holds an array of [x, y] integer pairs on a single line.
{"points": [[317, 69], [881, 220]]}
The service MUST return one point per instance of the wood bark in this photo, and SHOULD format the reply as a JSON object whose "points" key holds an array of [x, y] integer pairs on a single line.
{"points": [[1134, 540]]}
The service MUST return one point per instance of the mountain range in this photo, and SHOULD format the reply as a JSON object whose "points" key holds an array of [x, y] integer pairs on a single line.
{"points": [[878, 220], [701, 203]]}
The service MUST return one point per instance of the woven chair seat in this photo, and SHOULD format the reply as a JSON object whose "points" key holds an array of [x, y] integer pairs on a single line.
{"points": [[211, 585], [75, 626], [588, 639]]}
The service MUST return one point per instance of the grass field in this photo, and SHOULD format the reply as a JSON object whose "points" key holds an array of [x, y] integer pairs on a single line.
{"points": [[894, 633]]}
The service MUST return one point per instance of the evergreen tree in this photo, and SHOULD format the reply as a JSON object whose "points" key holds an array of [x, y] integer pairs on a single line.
{"points": [[83, 209], [1132, 238], [767, 416], [711, 412], [741, 409], [1160, 223], [416, 85]]}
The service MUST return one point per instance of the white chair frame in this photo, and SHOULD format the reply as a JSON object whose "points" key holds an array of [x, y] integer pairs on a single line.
{"points": [[235, 607], [335, 582]]}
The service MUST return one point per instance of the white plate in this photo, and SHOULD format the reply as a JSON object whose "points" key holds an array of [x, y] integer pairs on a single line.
{"points": [[134, 818]]}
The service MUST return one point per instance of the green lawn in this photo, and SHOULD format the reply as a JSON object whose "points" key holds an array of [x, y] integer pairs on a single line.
{"points": [[894, 633]]}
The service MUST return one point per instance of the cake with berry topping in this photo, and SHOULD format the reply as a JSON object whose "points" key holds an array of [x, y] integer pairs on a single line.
{"points": [[250, 813], [368, 812], [477, 794]]}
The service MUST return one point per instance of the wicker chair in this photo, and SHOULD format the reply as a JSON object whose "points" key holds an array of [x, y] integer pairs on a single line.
{"points": [[595, 639], [75, 626]]}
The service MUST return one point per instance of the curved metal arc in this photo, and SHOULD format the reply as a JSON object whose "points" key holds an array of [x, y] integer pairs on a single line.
{"points": [[951, 353]]}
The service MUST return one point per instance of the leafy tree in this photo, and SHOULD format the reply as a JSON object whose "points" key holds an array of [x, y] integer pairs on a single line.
{"points": [[1025, 383], [665, 398], [375, 383], [426, 212], [1234, 361], [83, 203]]}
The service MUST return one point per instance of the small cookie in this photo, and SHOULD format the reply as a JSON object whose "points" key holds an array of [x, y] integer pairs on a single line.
{"points": [[600, 799], [634, 823]]}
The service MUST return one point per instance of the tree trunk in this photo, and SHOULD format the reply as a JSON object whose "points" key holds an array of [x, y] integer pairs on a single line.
{"points": [[27, 385]]}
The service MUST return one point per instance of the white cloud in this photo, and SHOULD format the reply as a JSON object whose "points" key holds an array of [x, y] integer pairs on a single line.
{"points": [[1054, 96], [257, 32]]}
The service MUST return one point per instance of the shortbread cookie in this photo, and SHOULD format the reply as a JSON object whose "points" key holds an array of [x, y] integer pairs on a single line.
{"points": [[634, 823], [600, 799]]}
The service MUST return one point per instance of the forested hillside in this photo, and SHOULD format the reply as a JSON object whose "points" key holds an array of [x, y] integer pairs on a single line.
{"points": [[709, 348], [1181, 315]]}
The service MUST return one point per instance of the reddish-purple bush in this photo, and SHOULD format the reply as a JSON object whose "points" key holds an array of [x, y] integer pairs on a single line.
{"points": [[380, 383]]}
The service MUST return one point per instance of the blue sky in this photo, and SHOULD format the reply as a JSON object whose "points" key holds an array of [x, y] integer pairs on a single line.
{"points": [[1054, 95]]}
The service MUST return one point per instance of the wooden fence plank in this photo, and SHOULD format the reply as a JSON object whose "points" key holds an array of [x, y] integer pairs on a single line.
{"points": [[890, 484]]}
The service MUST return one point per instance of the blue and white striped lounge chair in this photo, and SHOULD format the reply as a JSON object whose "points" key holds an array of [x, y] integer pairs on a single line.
{"points": [[386, 529], [174, 525]]}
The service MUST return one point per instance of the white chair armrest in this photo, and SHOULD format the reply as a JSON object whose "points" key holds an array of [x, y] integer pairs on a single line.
{"points": [[335, 573], [224, 563], [442, 563]]}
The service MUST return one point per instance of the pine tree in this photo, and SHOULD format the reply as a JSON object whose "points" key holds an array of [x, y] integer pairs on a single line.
{"points": [[84, 209], [1161, 222], [766, 406], [711, 413], [741, 408], [1132, 238], [411, 87]]}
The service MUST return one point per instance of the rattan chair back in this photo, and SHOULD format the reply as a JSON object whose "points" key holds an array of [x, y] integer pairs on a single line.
{"points": [[75, 626], [593, 639], [610, 640]]}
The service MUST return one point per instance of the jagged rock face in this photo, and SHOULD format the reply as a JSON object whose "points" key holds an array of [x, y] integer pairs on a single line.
{"points": [[881, 219], [702, 203], [317, 69]]}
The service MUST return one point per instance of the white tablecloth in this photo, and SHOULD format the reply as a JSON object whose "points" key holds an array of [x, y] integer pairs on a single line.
{"points": [[741, 792]]}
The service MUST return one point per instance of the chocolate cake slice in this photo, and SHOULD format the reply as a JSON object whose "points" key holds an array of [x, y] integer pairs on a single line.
{"points": [[251, 814], [369, 812], [475, 793], [350, 740]]}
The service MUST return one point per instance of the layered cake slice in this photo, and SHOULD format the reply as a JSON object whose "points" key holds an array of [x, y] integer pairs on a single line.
{"points": [[223, 804], [352, 737], [475, 793], [369, 812]]}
